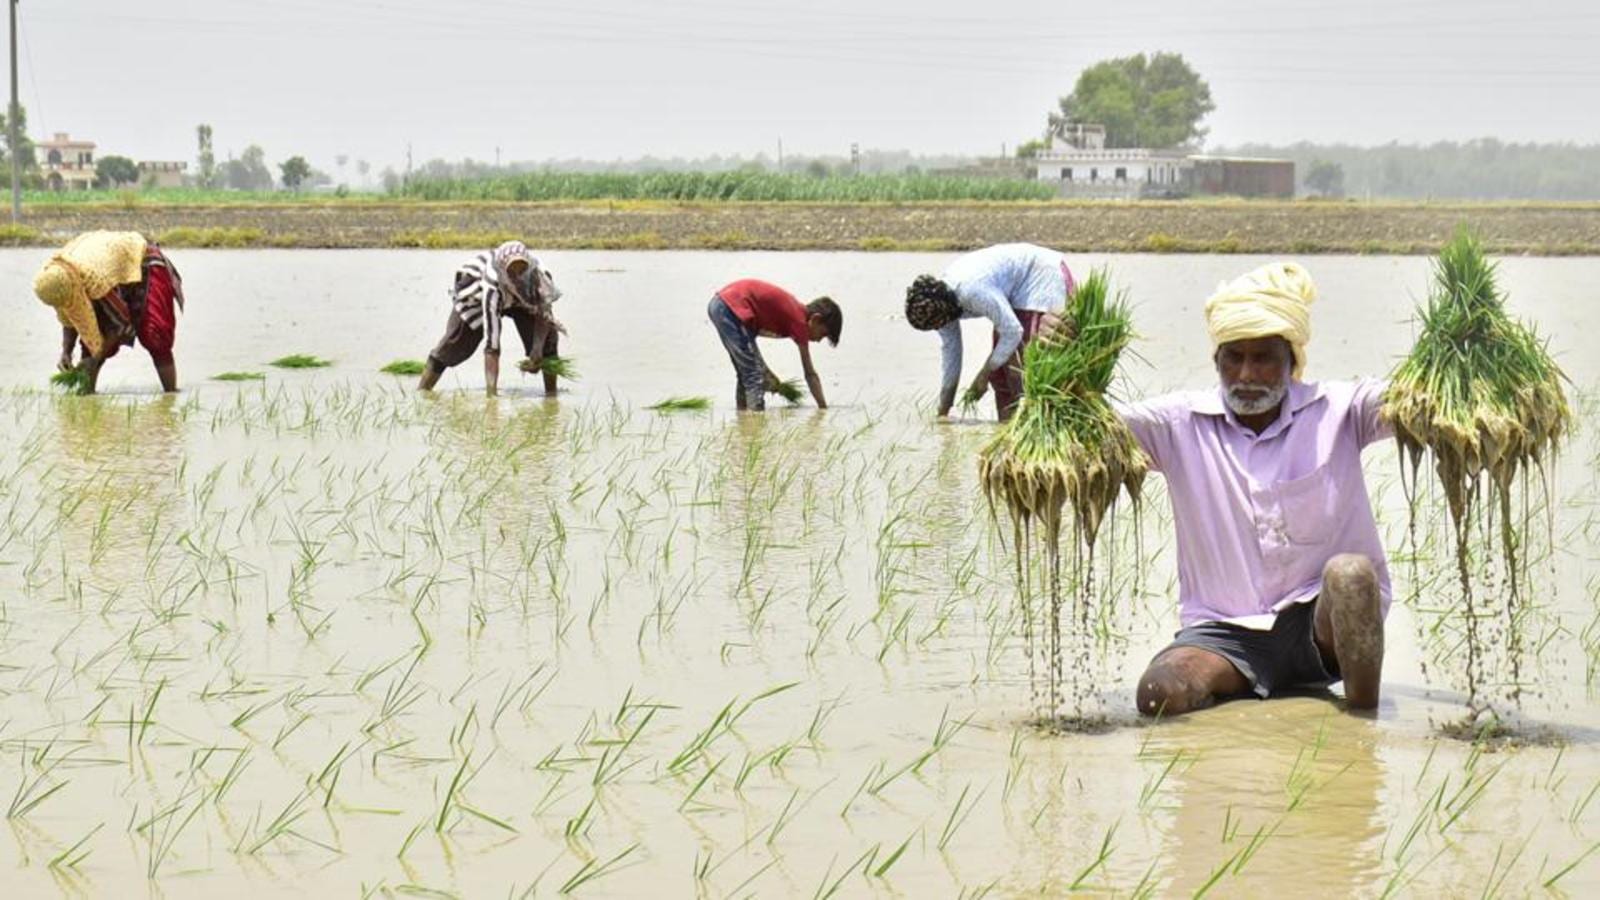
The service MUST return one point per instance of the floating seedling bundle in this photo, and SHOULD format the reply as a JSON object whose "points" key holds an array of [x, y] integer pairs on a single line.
{"points": [[1062, 460], [1481, 398]]}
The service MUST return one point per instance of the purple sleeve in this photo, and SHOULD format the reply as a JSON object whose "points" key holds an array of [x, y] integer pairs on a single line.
{"points": [[1151, 423], [1366, 407]]}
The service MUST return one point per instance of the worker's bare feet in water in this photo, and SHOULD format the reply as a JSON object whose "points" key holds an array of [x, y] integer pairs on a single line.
{"points": [[1349, 626]]}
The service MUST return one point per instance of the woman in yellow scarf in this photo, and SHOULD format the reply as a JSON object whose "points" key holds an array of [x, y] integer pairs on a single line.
{"points": [[110, 288]]}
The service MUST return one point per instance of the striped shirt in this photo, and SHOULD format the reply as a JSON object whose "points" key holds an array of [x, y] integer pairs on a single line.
{"points": [[479, 300]]}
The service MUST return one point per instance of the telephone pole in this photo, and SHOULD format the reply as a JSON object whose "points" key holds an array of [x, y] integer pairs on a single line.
{"points": [[11, 122]]}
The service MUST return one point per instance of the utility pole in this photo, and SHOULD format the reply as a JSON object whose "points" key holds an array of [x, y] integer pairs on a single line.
{"points": [[11, 121]]}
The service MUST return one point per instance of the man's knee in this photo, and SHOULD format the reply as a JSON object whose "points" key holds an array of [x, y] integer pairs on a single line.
{"points": [[1164, 691], [1350, 575]]}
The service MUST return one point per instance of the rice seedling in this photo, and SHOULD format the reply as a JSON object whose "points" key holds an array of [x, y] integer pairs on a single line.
{"points": [[787, 388], [404, 367], [1065, 449], [682, 404], [560, 366], [1480, 397], [74, 380], [300, 361], [239, 376]]}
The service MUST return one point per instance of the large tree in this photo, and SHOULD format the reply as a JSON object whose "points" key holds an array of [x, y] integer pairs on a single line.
{"points": [[1155, 101], [208, 159], [249, 172], [295, 169], [26, 153], [115, 171]]}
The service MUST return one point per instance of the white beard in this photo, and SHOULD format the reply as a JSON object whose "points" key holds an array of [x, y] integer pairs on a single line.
{"points": [[1255, 406]]}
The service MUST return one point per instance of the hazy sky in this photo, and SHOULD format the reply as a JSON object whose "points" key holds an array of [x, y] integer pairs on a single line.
{"points": [[611, 79]]}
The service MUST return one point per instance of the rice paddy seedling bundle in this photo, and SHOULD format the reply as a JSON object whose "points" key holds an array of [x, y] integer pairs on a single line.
{"points": [[238, 376], [787, 388], [560, 366], [1065, 450], [1480, 396], [404, 367], [73, 379], [300, 361], [678, 404]]}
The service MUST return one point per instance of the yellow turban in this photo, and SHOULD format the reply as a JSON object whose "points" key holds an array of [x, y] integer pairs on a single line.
{"points": [[1274, 300], [86, 269]]}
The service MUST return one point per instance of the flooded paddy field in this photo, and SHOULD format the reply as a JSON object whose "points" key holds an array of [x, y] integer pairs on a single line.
{"points": [[318, 635]]}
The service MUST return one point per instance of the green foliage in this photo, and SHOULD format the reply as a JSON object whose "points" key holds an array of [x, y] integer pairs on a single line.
{"points": [[404, 367], [1156, 101], [1030, 149], [300, 361], [206, 171], [787, 388], [1325, 178], [295, 170], [724, 186], [239, 376], [560, 366], [115, 171], [247, 173], [26, 154]]}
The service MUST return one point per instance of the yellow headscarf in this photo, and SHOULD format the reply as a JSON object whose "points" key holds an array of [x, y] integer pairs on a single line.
{"points": [[1272, 300], [86, 269]]}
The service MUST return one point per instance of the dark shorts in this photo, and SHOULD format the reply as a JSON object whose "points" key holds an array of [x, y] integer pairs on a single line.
{"points": [[460, 341], [1272, 661]]}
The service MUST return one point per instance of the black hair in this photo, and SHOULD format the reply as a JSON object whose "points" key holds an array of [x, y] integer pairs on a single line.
{"points": [[832, 317], [930, 303]]}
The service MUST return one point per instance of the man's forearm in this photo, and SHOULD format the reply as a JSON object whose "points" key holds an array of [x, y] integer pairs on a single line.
{"points": [[947, 399], [814, 381], [69, 339]]}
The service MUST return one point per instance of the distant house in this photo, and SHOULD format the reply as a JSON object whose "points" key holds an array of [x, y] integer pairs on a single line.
{"points": [[162, 173], [66, 164], [1077, 160]]}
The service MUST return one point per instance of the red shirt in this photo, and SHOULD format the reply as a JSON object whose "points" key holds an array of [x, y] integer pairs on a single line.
{"points": [[767, 308]]}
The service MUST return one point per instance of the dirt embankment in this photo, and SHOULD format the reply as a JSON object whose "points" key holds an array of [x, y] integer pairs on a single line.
{"points": [[1161, 227]]}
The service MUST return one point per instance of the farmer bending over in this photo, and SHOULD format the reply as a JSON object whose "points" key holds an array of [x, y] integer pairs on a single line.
{"points": [[1014, 286], [506, 282], [747, 309], [1282, 581], [109, 288]]}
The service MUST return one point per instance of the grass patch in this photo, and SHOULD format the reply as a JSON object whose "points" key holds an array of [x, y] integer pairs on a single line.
{"points": [[682, 404], [300, 361], [212, 237], [450, 239], [405, 367], [239, 376], [12, 235]]}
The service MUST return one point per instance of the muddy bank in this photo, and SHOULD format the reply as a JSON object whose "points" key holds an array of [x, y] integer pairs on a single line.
{"points": [[1159, 227]]}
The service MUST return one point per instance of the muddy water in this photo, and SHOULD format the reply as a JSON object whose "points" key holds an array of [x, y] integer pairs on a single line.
{"points": [[322, 636]]}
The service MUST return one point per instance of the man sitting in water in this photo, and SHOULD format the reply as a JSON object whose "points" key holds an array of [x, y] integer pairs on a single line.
{"points": [[109, 288], [1282, 581], [1017, 287], [750, 308], [506, 282]]}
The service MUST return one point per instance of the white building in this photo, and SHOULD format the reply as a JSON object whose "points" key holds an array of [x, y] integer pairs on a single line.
{"points": [[66, 164], [1101, 172]]}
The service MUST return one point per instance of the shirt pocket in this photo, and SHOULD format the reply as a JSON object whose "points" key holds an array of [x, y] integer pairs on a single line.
{"points": [[1310, 506]]}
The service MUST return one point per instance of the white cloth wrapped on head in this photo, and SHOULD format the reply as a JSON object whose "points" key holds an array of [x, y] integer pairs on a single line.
{"points": [[1274, 299]]}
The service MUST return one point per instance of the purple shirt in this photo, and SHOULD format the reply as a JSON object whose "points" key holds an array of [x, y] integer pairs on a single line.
{"points": [[1258, 515]]}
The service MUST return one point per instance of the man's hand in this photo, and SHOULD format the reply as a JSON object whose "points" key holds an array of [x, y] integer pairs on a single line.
{"points": [[1056, 329], [976, 390], [65, 363]]}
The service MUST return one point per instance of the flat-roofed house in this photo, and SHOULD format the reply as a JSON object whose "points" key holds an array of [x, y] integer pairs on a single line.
{"points": [[66, 164]]}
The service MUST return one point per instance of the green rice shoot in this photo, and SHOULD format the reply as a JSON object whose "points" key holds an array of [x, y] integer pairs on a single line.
{"points": [[560, 366], [239, 376], [404, 367], [1065, 451], [300, 361], [74, 379], [788, 389], [682, 404], [1479, 396]]}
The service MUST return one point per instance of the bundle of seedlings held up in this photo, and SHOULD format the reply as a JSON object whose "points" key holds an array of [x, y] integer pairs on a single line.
{"points": [[1480, 394], [1065, 446]]}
